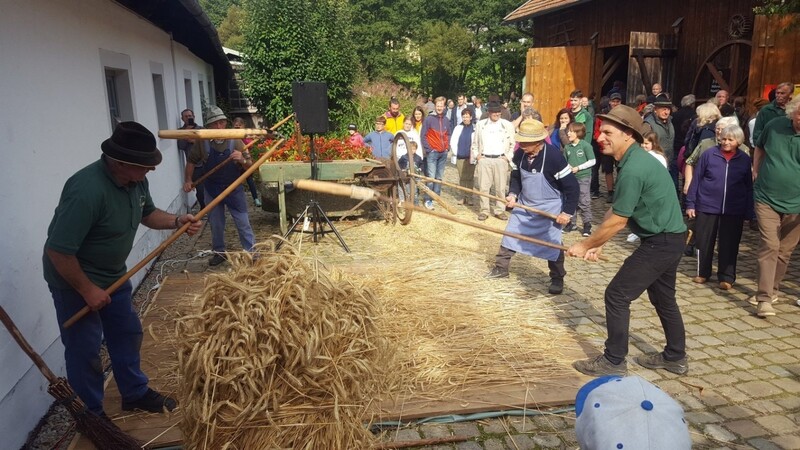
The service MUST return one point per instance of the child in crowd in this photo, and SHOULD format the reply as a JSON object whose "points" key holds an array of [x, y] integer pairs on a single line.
{"points": [[414, 144], [580, 157], [653, 147], [355, 139]]}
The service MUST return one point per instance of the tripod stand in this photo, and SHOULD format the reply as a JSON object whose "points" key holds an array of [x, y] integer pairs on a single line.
{"points": [[313, 212]]}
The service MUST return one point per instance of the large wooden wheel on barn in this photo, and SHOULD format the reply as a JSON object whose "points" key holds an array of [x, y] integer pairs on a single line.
{"points": [[723, 65], [394, 182]]}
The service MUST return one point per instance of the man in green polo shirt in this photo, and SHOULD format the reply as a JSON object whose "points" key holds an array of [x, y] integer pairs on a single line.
{"points": [[774, 109], [88, 241], [776, 167], [645, 200]]}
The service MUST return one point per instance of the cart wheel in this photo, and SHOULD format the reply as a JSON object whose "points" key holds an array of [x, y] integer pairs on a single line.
{"points": [[404, 188]]}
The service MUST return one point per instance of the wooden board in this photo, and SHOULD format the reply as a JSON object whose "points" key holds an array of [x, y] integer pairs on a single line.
{"points": [[161, 429], [775, 58], [553, 73], [171, 301]]}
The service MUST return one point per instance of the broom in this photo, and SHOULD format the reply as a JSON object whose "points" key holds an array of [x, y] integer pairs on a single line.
{"points": [[99, 430]]}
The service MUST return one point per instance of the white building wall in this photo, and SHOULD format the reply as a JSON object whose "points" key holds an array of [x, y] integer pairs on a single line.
{"points": [[54, 116]]}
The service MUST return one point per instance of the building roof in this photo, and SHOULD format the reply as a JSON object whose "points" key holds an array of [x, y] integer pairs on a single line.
{"points": [[186, 22], [533, 8]]}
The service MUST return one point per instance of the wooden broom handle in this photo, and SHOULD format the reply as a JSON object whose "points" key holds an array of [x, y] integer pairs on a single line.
{"points": [[110, 290], [26, 347]]}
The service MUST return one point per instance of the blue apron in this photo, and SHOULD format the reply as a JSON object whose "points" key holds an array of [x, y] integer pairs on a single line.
{"points": [[536, 193], [221, 179]]}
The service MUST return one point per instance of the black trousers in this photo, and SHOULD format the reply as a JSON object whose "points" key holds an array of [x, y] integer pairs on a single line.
{"points": [[557, 270], [727, 229], [653, 267]]}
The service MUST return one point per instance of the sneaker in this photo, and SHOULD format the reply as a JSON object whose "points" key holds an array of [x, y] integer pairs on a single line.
{"points": [[429, 205], [632, 238], [599, 366], [765, 309], [568, 227], [657, 361], [257, 202], [502, 216], [556, 286], [497, 272], [587, 231], [216, 260], [483, 216], [754, 300], [151, 401]]}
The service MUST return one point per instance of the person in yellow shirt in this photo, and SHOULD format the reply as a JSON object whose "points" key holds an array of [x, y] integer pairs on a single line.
{"points": [[394, 118]]}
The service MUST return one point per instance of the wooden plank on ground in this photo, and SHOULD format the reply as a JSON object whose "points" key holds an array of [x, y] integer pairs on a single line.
{"points": [[171, 300], [168, 302]]}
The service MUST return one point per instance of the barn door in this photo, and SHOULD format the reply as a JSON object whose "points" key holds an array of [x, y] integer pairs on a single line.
{"points": [[552, 73], [651, 60]]}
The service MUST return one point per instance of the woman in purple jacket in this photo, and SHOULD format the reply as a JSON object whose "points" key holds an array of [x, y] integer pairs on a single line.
{"points": [[720, 198]]}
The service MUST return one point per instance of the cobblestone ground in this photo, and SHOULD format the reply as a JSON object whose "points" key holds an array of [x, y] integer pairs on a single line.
{"points": [[742, 389]]}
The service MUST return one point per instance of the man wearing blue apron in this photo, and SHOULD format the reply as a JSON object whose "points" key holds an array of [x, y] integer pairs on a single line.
{"points": [[541, 179], [209, 154]]}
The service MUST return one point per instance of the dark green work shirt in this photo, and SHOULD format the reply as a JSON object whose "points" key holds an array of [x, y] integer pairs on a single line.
{"points": [[777, 183], [96, 220], [645, 194]]}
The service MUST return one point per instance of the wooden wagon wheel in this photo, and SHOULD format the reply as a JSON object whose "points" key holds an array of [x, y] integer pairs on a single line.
{"points": [[404, 189], [734, 52]]}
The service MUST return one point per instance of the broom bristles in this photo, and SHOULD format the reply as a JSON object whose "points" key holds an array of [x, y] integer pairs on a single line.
{"points": [[99, 430], [103, 433]]}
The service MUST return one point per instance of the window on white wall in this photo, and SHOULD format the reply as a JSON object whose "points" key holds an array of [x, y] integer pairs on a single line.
{"points": [[203, 102], [161, 101], [119, 90], [187, 87]]}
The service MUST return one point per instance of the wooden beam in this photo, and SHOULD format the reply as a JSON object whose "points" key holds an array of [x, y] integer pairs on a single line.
{"points": [[644, 74], [655, 52], [607, 75], [718, 76]]}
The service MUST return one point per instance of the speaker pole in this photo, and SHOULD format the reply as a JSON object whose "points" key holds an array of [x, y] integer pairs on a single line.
{"points": [[306, 95]]}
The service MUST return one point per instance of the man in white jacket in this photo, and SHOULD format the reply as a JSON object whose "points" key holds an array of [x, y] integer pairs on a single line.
{"points": [[492, 150]]}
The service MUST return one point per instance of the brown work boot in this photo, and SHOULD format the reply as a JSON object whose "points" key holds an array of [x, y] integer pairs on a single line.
{"points": [[599, 366]]}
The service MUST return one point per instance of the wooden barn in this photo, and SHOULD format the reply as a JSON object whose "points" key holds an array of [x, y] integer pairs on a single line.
{"points": [[688, 46]]}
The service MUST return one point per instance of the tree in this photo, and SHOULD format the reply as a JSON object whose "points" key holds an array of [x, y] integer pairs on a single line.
{"points": [[217, 10], [293, 40], [230, 30]]}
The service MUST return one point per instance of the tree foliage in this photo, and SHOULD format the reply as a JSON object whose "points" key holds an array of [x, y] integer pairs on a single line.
{"points": [[230, 30], [217, 10], [294, 40]]}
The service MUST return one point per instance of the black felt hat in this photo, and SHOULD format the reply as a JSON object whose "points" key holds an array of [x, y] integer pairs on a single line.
{"points": [[132, 143]]}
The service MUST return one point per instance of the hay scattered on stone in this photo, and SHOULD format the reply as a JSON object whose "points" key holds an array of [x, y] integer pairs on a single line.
{"points": [[282, 354]]}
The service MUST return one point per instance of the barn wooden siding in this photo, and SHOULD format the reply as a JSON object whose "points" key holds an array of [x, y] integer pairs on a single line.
{"points": [[704, 27], [776, 54]]}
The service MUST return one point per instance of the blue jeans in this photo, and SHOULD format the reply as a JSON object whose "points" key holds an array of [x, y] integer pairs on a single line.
{"points": [[237, 206], [120, 325], [436, 162]]}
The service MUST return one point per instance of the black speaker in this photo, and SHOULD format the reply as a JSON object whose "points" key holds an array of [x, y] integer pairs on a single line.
{"points": [[310, 104]]}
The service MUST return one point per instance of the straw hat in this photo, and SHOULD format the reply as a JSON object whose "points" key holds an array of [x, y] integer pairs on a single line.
{"points": [[132, 143], [626, 117], [531, 130]]}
